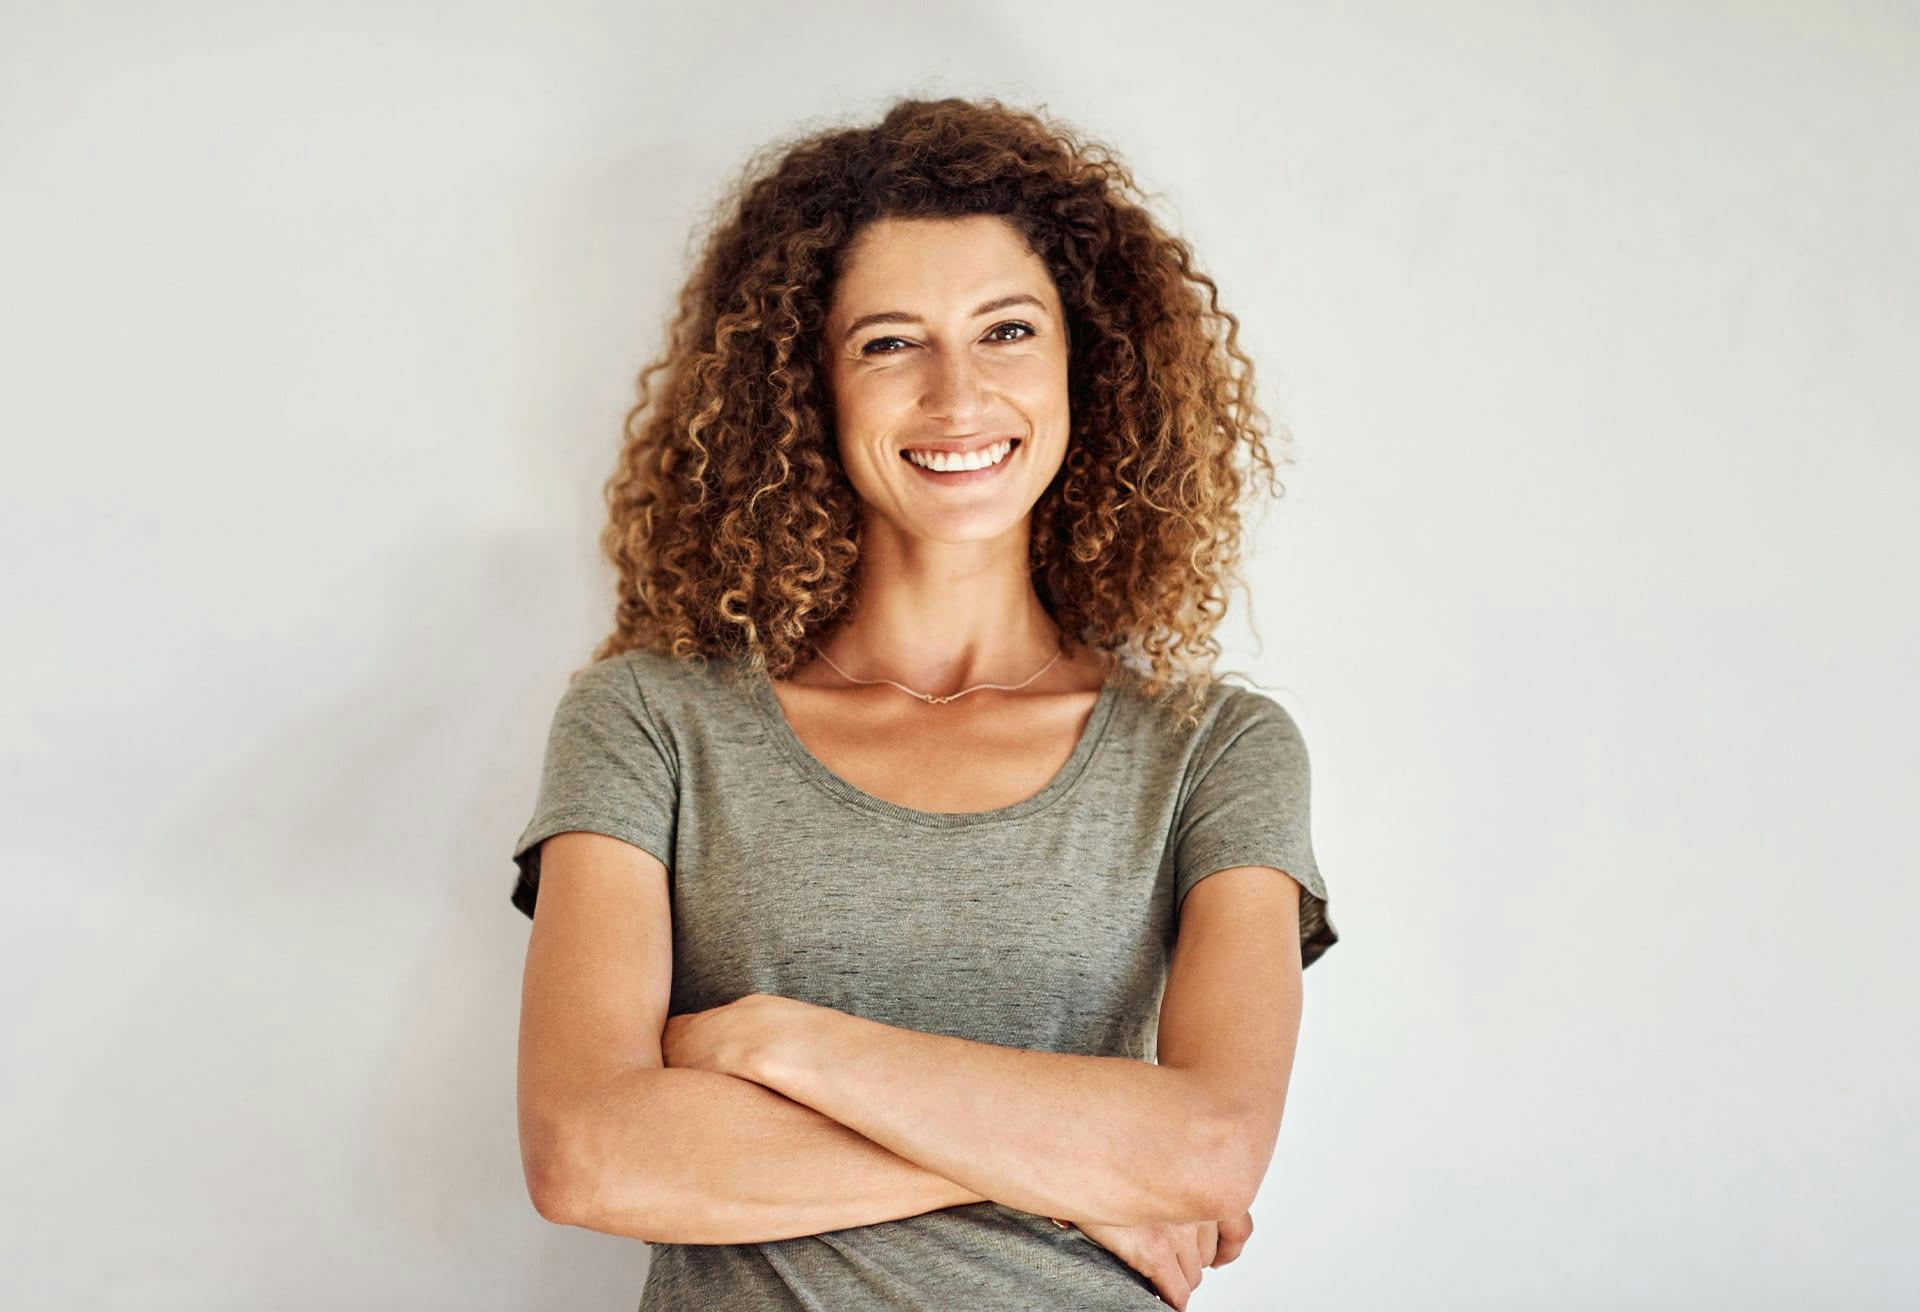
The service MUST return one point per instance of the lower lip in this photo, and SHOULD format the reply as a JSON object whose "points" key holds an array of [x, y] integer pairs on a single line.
{"points": [[958, 476]]}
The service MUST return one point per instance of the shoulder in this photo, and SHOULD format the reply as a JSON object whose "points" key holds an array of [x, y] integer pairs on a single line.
{"points": [[1243, 708], [623, 686], [1227, 714], [1233, 710], [651, 669], [678, 696], [598, 699], [1248, 734]]}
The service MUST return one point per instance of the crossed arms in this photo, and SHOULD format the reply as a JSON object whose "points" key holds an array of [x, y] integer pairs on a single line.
{"points": [[771, 1118]]}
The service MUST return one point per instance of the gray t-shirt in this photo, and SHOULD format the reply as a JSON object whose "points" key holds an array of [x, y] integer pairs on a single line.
{"points": [[1046, 925]]}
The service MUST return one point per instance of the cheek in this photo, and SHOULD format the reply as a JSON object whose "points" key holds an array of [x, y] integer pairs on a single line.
{"points": [[1044, 400], [1039, 377], [873, 399]]}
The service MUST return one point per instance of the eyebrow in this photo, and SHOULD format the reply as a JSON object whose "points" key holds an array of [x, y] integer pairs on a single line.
{"points": [[901, 316]]}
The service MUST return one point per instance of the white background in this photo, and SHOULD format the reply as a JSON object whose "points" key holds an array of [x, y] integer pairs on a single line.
{"points": [[1592, 592]]}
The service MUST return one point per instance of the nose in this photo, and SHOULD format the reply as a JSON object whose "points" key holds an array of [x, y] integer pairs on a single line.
{"points": [[955, 393]]}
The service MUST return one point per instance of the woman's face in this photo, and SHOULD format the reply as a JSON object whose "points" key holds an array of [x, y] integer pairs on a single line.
{"points": [[947, 333]]}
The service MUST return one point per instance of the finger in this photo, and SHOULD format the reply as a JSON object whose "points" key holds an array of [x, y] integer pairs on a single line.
{"points": [[1173, 1290], [1233, 1238], [1175, 1272], [1187, 1252]]}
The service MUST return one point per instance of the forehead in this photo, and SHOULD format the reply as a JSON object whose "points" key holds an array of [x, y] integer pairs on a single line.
{"points": [[936, 266]]}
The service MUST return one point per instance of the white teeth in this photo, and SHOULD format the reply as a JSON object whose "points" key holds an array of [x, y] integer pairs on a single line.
{"points": [[941, 461]]}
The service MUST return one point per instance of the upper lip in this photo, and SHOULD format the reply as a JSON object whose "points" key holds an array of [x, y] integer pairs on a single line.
{"points": [[962, 445]]}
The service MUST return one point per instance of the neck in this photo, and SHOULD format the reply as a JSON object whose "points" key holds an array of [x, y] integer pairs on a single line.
{"points": [[943, 616]]}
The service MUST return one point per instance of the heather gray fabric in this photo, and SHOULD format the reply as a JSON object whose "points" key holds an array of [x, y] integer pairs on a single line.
{"points": [[1046, 925]]}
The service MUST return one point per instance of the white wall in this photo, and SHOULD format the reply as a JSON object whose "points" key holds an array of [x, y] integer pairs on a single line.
{"points": [[1592, 593]]}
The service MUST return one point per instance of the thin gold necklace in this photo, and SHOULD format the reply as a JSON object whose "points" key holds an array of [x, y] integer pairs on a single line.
{"points": [[927, 697]]}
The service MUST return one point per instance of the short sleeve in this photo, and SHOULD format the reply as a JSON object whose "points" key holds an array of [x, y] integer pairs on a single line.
{"points": [[608, 769], [1249, 807]]}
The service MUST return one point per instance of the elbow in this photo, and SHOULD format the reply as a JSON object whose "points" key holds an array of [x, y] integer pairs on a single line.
{"points": [[555, 1195], [1204, 1179], [569, 1182], [555, 1169], [1234, 1163], [1230, 1199], [577, 1153]]}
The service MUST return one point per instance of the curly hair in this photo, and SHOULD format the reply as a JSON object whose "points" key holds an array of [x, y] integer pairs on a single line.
{"points": [[733, 528]]}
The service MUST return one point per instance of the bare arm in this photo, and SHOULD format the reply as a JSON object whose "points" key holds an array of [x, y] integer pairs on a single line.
{"points": [[695, 1157], [612, 1141], [1232, 1009], [1101, 1139]]}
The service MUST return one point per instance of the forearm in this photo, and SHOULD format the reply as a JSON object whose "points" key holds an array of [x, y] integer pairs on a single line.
{"points": [[1098, 1139], [697, 1157]]}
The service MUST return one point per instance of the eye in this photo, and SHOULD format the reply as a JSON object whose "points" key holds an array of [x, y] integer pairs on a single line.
{"points": [[1027, 329]]}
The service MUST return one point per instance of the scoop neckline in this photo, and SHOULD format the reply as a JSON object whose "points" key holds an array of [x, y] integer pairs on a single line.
{"points": [[775, 718]]}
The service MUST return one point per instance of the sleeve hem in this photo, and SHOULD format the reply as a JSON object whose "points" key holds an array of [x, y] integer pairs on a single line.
{"points": [[526, 888], [1317, 933], [1308, 874]]}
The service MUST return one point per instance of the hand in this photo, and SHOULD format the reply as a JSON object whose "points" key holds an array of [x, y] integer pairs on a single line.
{"points": [[1172, 1254], [723, 1038]]}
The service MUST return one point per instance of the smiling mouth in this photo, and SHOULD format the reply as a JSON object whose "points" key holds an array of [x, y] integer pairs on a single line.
{"points": [[965, 473]]}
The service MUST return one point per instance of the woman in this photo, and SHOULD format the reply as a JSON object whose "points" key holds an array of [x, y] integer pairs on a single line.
{"points": [[865, 973]]}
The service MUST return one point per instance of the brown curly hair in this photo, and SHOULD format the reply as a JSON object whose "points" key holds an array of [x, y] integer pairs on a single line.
{"points": [[734, 530]]}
